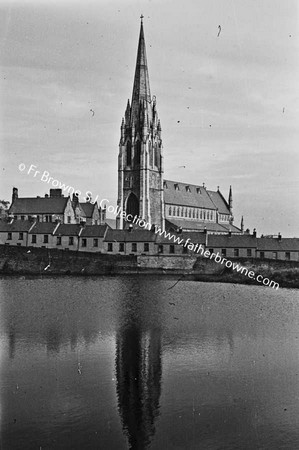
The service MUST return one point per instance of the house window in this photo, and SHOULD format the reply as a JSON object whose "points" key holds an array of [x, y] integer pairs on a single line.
{"points": [[84, 242], [22, 217], [95, 242], [249, 252], [190, 212], [71, 240], [33, 239], [182, 212], [236, 252], [160, 248], [185, 249], [169, 211], [186, 212], [68, 219], [288, 256], [134, 247], [121, 247], [46, 239], [223, 251], [58, 241], [37, 218], [110, 247], [9, 236], [146, 247], [211, 250], [197, 214], [262, 255], [171, 248]]}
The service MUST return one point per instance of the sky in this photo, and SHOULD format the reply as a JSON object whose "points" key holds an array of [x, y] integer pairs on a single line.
{"points": [[227, 98]]}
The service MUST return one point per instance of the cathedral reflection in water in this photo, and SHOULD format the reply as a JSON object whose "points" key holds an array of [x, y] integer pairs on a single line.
{"points": [[138, 373]]}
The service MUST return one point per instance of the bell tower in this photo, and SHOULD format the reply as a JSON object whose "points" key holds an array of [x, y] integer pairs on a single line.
{"points": [[140, 159]]}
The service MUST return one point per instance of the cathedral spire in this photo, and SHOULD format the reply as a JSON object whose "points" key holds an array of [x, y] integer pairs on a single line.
{"points": [[230, 199], [141, 88]]}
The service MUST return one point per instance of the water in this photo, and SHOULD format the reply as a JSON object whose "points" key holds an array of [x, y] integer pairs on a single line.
{"points": [[111, 363]]}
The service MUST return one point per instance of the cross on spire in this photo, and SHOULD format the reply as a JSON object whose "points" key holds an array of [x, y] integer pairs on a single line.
{"points": [[142, 17]]}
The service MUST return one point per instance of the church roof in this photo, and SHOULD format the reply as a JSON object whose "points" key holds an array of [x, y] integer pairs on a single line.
{"points": [[198, 226], [219, 201], [184, 194], [39, 205]]}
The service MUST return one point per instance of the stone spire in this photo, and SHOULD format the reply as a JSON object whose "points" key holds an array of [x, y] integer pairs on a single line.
{"points": [[141, 88], [242, 224]]}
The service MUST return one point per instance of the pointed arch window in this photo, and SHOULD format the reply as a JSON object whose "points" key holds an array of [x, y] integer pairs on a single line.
{"points": [[186, 212], [196, 213], [157, 156]]}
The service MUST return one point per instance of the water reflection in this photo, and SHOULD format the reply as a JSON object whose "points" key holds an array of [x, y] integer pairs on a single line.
{"points": [[138, 372]]}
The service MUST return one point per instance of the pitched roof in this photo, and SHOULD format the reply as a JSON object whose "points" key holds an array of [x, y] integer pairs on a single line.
{"points": [[16, 225], [43, 228], [273, 244], [226, 241], [129, 236], [68, 229], [194, 238], [39, 205], [185, 194], [219, 201], [94, 231], [194, 225], [111, 223], [88, 208]]}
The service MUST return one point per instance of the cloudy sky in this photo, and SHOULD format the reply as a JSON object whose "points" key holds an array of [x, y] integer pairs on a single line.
{"points": [[228, 104]]}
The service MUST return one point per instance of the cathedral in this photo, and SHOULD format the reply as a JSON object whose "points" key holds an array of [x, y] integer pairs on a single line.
{"points": [[142, 189]]}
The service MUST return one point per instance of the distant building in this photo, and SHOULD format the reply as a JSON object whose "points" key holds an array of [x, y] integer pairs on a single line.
{"points": [[51, 208], [142, 190]]}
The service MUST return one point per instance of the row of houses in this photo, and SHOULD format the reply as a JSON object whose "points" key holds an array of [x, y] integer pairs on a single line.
{"points": [[104, 239]]}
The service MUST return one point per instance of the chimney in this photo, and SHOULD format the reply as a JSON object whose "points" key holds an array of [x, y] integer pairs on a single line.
{"points": [[130, 228], [254, 232], [75, 199], [15, 194], [46, 195], [279, 236], [229, 233], [55, 193]]}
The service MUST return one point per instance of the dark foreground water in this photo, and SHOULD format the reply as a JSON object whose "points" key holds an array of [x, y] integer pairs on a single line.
{"points": [[118, 363]]}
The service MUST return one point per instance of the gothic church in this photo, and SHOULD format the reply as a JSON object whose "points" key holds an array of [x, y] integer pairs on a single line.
{"points": [[142, 189]]}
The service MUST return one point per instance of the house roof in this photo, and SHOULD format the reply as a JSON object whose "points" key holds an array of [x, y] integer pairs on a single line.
{"points": [[273, 244], [43, 228], [88, 208], [16, 225], [111, 223], [194, 238], [129, 236], [39, 205], [94, 231], [226, 241], [68, 229]]}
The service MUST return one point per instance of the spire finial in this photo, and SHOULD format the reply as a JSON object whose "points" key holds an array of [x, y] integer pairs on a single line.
{"points": [[142, 17]]}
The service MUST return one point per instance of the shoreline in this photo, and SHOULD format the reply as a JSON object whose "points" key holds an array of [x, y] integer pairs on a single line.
{"points": [[16, 261]]}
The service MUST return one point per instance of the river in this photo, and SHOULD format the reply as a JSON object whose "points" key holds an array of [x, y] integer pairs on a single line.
{"points": [[147, 363]]}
